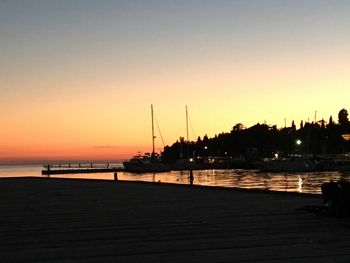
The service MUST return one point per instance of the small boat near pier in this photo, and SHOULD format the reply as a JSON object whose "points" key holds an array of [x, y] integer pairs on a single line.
{"points": [[149, 162]]}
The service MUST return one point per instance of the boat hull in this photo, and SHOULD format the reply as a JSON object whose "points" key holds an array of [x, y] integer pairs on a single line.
{"points": [[146, 167], [289, 165]]}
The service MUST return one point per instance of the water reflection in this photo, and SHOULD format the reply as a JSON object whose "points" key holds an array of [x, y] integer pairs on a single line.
{"points": [[247, 179], [250, 179]]}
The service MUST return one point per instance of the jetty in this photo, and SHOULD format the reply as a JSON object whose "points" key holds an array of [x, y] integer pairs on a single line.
{"points": [[78, 168], [70, 220]]}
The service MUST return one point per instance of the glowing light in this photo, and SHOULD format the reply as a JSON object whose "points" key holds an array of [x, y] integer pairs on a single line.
{"points": [[300, 184], [298, 142], [346, 137]]}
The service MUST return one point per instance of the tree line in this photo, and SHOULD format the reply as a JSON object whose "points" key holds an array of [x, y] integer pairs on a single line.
{"points": [[262, 140]]}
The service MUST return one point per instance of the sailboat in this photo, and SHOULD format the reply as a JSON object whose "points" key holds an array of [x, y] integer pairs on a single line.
{"points": [[184, 163], [147, 163]]}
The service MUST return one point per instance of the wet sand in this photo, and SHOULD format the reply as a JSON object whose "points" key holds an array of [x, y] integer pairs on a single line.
{"points": [[63, 220]]}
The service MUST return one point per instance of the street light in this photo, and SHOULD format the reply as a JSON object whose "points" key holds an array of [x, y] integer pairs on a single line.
{"points": [[205, 151], [298, 143]]}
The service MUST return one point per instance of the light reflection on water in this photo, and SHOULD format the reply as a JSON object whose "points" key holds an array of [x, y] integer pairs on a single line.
{"points": [[247, 179]]}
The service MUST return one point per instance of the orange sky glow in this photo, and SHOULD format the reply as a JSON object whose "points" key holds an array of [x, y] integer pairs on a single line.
{"points": [[78, 84]]}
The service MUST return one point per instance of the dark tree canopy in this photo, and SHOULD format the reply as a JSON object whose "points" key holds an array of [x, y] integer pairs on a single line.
{"points": [[343, 117], [262, 140], [331, 120], [237, 127], [294, 128]]}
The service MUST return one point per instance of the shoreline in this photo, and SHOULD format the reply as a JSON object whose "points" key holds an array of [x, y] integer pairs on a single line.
{"points": [[253, 190], [284, 182]]}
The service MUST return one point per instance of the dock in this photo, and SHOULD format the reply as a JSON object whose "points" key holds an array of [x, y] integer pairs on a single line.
{"points": [[70, 220], [79, 168]]}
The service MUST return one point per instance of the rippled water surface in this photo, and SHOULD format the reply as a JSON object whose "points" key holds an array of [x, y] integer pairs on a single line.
{"points": [[248, 179]]}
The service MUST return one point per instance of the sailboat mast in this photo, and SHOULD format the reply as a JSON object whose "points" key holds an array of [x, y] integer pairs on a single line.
{"points": [[153, 137], [186, 123]]}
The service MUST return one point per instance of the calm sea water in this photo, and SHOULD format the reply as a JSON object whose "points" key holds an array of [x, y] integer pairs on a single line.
{"points": [[247, 179]]}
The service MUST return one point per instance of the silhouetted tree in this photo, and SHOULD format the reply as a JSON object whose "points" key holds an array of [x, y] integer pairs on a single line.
{"points": [[237, 127], [293, 126], [331, 120], [261, 140], [343, 117], [205, 138]]}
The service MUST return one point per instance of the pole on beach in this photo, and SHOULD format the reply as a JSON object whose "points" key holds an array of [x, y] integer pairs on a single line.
{"points": [[191, 177], [115, 176]]}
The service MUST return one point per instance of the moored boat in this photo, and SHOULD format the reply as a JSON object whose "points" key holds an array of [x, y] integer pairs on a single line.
{"points": [[289, 164], [298, 163], [147, 163]]}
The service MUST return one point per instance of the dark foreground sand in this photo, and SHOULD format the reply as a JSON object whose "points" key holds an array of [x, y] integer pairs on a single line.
{"points": [[57, 220]]}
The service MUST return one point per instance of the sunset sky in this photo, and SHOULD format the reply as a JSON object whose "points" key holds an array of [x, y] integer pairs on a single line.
{"points": [[78, 77]]}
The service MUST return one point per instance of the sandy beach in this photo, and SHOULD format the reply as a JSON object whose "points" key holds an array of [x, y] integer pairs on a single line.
{"points": [[64, 220]]}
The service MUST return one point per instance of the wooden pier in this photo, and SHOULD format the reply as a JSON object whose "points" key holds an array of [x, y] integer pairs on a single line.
{"points": [[79, 168]]}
